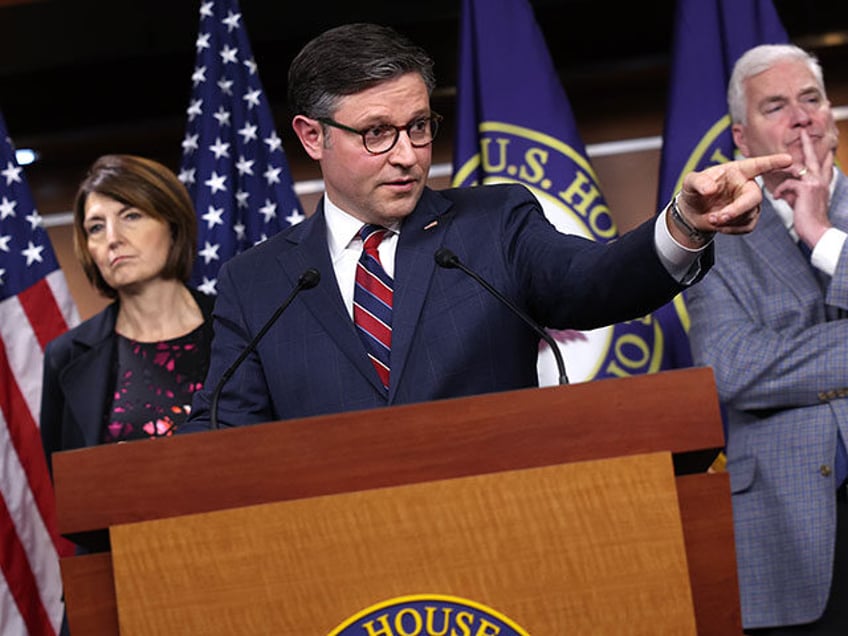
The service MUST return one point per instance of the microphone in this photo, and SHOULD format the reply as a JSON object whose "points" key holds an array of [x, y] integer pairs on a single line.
{"points": [[447, 259], [308, 279]]}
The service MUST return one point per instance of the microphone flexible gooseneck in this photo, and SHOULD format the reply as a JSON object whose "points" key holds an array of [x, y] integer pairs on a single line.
{"points": [[447, 259], [308, 279]]}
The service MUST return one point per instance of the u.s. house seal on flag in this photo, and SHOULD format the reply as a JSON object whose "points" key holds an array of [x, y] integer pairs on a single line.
{"points": [[566, 186]]}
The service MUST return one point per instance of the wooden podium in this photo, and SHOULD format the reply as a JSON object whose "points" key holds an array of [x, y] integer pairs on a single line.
{"points": [[583, 509]]}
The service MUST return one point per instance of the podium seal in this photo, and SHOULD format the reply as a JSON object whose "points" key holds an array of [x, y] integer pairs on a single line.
{"points": [[428, 615]]}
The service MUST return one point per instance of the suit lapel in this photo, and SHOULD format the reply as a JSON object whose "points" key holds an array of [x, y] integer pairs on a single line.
{"points": [[838, 208], [86, 380], [837, 291], [774, 245], [325, 301], [421, 235]]}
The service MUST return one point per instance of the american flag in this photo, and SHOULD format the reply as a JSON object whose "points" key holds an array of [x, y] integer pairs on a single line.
{"points": [[35, 307], [233, 161]]}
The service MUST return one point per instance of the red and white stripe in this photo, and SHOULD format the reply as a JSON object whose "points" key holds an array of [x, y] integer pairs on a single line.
{"points": [[30, 582]]}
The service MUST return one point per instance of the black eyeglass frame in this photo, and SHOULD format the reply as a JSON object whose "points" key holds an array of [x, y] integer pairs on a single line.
{"points": [[434, 118]]}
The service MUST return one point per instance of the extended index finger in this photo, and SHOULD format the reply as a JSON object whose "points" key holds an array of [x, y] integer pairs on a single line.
{"points": [[811, 160], [754, 166]]}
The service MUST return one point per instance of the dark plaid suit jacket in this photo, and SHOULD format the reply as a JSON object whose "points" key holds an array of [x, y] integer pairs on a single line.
{"points": [[450, 337]]}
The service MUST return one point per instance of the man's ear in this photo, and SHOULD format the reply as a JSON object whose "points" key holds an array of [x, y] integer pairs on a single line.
{"points": [[311, 135], [738, 131]]}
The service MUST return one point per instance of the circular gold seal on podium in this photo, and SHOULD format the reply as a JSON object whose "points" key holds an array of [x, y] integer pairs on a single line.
{"points": [[428, 615]]}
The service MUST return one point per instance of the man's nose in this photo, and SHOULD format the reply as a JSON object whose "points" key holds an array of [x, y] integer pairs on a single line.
{"points": [[800, 115], [403, 151]]}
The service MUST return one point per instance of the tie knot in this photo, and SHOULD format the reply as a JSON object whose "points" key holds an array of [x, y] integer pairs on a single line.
{"points": [[372, 235]]}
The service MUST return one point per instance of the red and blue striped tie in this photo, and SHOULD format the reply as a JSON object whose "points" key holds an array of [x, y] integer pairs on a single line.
{"points": [[372, 302]]}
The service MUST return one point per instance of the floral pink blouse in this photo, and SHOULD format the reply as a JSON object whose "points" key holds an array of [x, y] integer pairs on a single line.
{"points": [[154, 387]]}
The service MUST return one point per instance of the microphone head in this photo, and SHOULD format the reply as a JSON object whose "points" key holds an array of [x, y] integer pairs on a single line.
{"points": [[309, 278], [446, 258]]}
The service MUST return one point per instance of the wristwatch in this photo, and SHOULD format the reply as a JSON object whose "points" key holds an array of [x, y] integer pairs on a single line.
{"points": [[701, 237]]}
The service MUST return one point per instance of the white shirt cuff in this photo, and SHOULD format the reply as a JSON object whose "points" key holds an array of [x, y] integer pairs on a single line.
{"points": [[679, 261], [825, 256]]}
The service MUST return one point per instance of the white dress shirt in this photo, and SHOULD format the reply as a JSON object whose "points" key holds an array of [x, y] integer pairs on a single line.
{"points": [[346, 247]]}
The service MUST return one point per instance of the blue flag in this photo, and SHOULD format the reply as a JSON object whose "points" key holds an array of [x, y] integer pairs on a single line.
{"points": [[515, 124], [233, 161], [709, 36]]}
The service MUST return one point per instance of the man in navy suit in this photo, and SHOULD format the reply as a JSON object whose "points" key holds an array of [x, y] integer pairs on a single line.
{"points": [[361, 98], [770, 320]]}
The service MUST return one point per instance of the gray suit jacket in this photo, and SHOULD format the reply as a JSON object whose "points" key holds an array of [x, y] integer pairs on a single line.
{"points": [[769, 329]]}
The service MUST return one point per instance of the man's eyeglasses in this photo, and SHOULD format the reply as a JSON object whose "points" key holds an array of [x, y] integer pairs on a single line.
{"points": [[383, 137]]}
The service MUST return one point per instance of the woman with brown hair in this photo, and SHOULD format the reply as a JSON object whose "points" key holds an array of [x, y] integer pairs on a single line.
{"points": [[130, 371]]}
